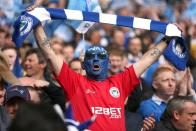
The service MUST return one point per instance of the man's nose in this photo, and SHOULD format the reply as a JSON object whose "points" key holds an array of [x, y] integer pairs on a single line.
{"points": [[15, 106], [171, 82], [96, 58]]}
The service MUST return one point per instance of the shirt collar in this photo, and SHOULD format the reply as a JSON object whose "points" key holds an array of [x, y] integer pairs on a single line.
{"points": [[158, 100]]}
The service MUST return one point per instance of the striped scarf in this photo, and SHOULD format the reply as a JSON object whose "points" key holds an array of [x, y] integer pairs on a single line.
{"points": [[28, 20]]}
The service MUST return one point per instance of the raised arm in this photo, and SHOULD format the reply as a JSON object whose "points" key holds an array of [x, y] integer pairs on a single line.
{"points": [[5, 73], [44, 44], [152, 55], [149, 58]]}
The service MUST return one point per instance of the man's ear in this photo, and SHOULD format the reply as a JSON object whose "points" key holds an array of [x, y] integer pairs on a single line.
{"points": [[154, 84], [43, 65], [176, 115]]}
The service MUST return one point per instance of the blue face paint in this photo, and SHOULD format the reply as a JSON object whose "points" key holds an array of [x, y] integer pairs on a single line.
{"points": [[96, 63]]}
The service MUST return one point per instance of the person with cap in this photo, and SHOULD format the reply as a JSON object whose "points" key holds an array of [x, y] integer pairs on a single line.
{"points": [[97, 93], [14, 98]]}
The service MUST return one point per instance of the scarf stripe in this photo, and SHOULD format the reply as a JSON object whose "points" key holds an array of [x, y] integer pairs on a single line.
{"points": [[168, 29]]}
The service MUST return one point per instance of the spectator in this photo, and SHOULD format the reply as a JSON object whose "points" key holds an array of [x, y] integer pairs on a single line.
{"points": [[180, 115], [111, 91], [76, 65], [14, 98], [35, 66], [134, 49], [116, 58], [68, 52], [164, 85], [118, 39]]}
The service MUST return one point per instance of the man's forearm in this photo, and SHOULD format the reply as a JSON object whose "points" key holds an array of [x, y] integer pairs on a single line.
{"points": [[44, 43], [149, 58]]}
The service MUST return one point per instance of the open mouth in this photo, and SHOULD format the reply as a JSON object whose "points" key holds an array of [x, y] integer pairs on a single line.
{"points": [[96, 67]]}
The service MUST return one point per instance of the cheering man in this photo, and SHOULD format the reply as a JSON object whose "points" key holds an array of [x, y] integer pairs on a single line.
{"points": [[96, 93]]}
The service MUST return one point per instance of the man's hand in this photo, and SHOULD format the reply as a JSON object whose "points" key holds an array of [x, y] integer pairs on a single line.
{"points": [[148, 123], [5, 72], [41, 84], [32, 7], [36, 4], [182, 80], [37, 84], [167, 39]]}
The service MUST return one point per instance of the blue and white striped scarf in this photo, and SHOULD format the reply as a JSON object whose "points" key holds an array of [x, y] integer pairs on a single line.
{"points": [[28, 20], [83, 5]]}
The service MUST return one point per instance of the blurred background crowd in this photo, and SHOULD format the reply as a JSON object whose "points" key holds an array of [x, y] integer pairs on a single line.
{"points": [[125, 46]]}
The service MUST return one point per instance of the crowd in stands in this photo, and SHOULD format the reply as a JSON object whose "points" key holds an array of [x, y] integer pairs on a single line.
{"points": [[165, 99]]}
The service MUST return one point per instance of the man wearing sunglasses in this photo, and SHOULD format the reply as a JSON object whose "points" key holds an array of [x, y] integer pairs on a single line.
{"points": [[97, 94]]}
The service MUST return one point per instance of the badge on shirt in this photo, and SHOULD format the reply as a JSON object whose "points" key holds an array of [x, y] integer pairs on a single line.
{"points": [[114, 92]]}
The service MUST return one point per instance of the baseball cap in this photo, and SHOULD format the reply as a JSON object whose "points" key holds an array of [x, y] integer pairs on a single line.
{"points": [[17, 91]]}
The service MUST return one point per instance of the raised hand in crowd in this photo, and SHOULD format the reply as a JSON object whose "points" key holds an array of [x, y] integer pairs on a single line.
{"points": [[36, 4], [37, 84], [185, 83], [5, 73], [41, 84], [148, 123]]}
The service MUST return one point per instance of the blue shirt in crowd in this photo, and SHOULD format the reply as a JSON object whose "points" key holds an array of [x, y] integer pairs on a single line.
{"points": [[153, 106]]}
